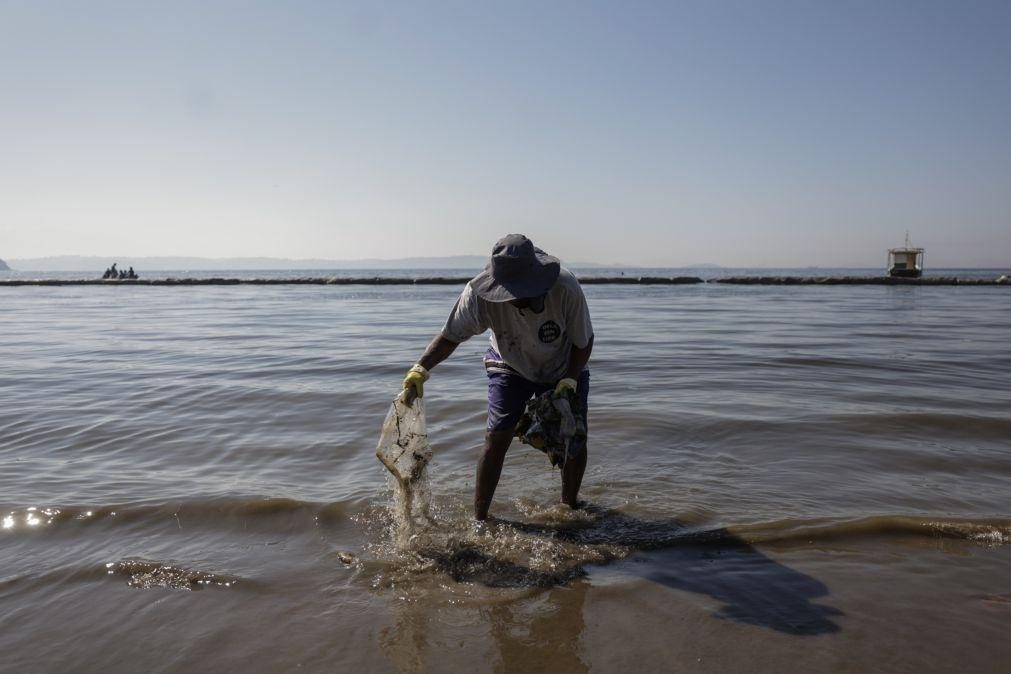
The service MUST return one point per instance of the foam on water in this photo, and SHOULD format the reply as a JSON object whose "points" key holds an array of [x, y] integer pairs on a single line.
{"points": [[147, 574]]}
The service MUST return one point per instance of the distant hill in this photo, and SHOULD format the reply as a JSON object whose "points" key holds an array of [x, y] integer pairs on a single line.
{"points": [[99, 264], [3, 266]]}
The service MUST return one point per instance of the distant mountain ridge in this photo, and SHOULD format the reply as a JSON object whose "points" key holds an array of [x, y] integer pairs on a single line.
{"points": [[181, 263], [3, 266]]}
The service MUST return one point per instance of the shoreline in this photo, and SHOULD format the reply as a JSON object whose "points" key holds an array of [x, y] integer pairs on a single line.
{"points": [[589, 280]]}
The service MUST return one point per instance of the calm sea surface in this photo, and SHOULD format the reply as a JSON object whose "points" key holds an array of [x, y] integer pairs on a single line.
{"points": [[806, 479]]}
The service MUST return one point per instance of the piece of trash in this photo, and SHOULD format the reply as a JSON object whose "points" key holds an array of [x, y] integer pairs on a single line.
{"points": [[554, 423], [403, 448], [403, 444]]}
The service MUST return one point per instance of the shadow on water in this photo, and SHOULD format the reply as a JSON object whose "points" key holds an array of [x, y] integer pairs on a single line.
{"points": [[470, 564], [752, 587]]}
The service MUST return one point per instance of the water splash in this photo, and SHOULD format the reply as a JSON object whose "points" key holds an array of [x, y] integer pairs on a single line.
{"points": [[553, 544]]}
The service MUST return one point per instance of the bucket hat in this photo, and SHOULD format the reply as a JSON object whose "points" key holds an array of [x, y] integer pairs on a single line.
{"points": [[518, 270]]}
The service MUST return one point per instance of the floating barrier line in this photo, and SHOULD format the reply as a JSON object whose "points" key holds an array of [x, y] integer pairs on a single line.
{"points": [[861, 280], [589, 280]]}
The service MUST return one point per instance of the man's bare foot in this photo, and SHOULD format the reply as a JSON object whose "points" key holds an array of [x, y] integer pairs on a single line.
{"points": [[489, 525]]}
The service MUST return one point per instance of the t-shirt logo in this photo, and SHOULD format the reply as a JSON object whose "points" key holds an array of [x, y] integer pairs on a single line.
{"points": [[549, 332]]}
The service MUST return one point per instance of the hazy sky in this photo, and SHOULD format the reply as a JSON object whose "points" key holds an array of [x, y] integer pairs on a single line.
{"points": [[653, 133]]}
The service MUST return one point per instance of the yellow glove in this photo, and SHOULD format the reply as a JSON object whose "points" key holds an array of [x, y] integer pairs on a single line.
{"points": [[565, 384], [415, 379]]}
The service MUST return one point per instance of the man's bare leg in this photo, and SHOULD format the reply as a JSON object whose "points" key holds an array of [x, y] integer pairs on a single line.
{"points": [[572, 478], [489, 468]]}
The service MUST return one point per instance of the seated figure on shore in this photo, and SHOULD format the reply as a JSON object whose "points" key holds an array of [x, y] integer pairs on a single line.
{"points": [[111, 272]]}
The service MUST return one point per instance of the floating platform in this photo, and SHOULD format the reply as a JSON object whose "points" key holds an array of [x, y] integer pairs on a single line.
{"points": [[459, 281]]}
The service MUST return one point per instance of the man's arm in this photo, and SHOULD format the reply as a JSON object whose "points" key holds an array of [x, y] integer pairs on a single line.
{"points": [[438, 350], [578, 359]]}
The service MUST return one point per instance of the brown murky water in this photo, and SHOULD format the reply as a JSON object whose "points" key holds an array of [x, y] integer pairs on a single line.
{"points": [[780, 479]]}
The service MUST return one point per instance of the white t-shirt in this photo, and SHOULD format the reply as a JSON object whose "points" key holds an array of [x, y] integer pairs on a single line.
{"points": [[537, 345]]}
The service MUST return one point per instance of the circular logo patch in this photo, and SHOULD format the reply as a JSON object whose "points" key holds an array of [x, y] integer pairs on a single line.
{"points": [[549, 332]]}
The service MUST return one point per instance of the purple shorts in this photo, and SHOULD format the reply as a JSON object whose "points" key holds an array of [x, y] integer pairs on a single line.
{"points": [[508, 393]]}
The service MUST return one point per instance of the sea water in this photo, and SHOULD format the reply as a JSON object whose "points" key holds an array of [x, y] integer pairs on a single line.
{"points": [[779, 479]]}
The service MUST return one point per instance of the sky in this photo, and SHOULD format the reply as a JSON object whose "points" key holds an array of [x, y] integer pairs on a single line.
{"points": [[642, 133]]}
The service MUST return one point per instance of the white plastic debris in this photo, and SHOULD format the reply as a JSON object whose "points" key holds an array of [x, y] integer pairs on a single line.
{"points": [[403, 445], [404, 450]]}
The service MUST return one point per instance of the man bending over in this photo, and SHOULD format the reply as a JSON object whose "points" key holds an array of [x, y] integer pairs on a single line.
{"points": [[541, 338]]}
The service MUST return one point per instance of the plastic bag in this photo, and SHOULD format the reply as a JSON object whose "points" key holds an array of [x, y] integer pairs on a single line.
{"points": [[403, 444], [404, 450]]}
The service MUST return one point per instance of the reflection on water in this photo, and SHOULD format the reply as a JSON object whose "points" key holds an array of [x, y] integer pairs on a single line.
{"points": [[405, 643], [542, 634], [533, 631]]}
